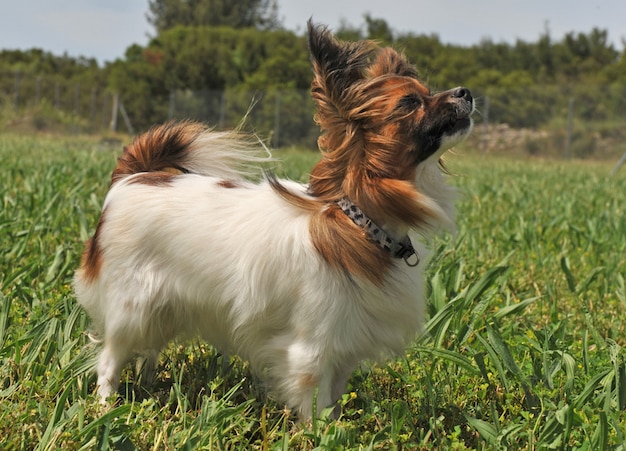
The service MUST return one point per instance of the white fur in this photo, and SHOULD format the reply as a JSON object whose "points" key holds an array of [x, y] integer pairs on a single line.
{"points": [[236, 266]]}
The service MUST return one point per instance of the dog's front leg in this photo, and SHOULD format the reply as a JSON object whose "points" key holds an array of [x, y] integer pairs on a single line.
{"points": [[110, 363]]}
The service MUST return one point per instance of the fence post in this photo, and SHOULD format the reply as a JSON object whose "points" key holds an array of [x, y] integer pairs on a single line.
{"points": [[170, 110], [57, 96], [105, 109], [129, 126], [92, 107], [37, 90], [17, 90], [116, 102], [485, 125], [277, 120], [76, 108], [222, 110], [570, 126], [619, 164], [77, 99]]}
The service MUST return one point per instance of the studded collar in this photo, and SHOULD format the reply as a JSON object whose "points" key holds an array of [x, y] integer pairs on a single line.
{"points": [[396, 248]]}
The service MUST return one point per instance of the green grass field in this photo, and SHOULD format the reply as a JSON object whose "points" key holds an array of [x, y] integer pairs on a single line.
{"points": [[526, 335]]}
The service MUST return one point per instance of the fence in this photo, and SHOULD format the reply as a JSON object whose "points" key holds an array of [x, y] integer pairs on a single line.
{"points": [[578, 121], [51, 102]]}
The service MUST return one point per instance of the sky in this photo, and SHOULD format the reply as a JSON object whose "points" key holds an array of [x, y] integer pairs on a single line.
{"points": [[104, 29]]}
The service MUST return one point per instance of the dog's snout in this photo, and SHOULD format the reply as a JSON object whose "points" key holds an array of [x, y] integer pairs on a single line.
{"points": [[462, 93]]}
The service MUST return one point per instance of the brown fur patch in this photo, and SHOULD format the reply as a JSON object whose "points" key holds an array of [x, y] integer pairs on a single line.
{"points": [[91, 261], [346, 246], [308, 380], [369, 104], [397, 201], [153, 178], [229, 184], [173, 171], [341, 243], [163, 148]]}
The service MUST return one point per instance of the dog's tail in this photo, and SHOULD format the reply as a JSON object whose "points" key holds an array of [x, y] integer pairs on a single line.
{"points": [[191, 148]]}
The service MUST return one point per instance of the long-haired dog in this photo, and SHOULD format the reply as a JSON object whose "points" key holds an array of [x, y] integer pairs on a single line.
{"points": [[303, 281]]}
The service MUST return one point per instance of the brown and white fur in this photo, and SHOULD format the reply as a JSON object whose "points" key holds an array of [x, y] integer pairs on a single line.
{"points": [[275, 271]]}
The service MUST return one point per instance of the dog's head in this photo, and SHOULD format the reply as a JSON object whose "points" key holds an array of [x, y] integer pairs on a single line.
{"points": [[378, 121]]}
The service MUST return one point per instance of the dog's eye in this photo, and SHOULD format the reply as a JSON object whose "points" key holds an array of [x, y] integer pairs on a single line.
{"points": [[410, 102]]}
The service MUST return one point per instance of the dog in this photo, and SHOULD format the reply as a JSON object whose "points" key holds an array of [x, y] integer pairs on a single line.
{"points": [[303, 281]]}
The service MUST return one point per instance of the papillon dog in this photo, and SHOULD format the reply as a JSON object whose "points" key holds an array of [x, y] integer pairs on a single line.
{"points": [[303, 281]]}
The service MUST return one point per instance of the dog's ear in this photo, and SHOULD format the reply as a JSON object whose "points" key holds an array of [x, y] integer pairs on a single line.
{"points": [[336, 65]]}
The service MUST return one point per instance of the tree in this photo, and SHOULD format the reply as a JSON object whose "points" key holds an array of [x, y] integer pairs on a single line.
{"points": [[166, 14], [348, 32], [378, 29], [139, 81]]}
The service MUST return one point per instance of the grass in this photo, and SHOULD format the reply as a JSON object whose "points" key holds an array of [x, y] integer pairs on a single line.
{"points": [[526, 338]]}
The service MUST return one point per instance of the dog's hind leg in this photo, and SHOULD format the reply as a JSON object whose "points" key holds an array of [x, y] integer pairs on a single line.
{"points": [[339, 385], [145, 366]]}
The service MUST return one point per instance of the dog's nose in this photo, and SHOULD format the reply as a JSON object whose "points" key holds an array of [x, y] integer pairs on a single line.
{"points": [[462, 93]]}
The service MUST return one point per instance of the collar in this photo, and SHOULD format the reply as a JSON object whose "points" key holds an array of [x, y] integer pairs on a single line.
{"points": [[396, 248]]}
